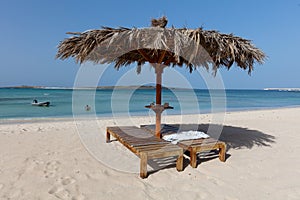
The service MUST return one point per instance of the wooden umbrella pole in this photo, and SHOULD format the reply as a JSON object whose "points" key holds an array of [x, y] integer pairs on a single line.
{"points": [[158, 111], [159, 70], [158, 86]]}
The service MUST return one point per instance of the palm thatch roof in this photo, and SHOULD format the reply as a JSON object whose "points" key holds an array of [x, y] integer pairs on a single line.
{"points": [[158, 44]]}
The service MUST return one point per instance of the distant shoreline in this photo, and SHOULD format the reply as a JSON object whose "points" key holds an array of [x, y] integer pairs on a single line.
{"points": [[144, 87], [72, 88], [133, 87], [282, 89]]}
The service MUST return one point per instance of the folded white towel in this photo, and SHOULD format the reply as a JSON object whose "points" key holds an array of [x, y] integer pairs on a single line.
{"points": [[185, 135]]}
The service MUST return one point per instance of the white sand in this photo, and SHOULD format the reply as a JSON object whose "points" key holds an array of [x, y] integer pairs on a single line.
{"points": [[46, 160]]}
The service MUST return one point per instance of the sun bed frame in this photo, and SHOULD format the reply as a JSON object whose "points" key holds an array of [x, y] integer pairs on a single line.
{"points": [[145, 145], [193, 146], [202, 145]]}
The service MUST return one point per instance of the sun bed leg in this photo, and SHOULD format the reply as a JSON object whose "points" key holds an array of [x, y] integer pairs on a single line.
{"points": [[193, 158], [107, 137], [143, 166], [222, 152], [179, 162]]}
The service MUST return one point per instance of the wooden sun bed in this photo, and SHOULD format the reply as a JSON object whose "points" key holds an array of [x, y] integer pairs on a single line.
{"points": [[193, 146], [145, 145]]}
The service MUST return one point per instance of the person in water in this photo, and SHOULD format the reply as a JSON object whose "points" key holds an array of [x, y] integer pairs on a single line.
{"points": [[87, 108]]}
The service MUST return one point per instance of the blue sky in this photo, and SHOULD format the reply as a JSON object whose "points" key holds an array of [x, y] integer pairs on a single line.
{"points": [[32, 29]]}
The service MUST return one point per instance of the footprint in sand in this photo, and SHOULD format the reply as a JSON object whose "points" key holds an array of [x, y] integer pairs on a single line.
{"points": [[79, 197], [32, 163], [67, 180], [65, 190], [59, 192], [51, 153], [51, 169], [53, 190]]}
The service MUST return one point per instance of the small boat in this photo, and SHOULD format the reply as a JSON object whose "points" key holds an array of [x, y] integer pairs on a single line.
{"points": [[36, 103]]}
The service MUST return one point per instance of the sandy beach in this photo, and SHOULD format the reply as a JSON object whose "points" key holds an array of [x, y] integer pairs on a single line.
{"points": [[47, 160]]}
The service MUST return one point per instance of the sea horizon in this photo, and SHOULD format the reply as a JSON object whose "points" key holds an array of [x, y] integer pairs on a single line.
{"points": [[152, 86]]}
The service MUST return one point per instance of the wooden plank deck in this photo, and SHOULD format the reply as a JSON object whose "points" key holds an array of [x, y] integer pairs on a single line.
{"points": [[193, 146], [145, 145]]}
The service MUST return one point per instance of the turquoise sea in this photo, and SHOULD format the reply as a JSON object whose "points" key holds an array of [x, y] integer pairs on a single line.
{"points": [[15, 103]]}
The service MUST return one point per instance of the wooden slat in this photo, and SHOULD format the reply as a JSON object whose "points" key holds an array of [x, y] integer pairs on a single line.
{"points": [[162, 154], [148, 143], [198, 142], [157, 148], [145, 148], [205, 148]]}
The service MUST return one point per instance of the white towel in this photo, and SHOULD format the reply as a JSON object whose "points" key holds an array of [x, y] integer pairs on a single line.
{"points": [[185, 135]]}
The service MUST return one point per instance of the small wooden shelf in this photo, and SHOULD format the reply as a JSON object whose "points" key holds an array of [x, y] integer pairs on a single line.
{"points": [[157, 106]]}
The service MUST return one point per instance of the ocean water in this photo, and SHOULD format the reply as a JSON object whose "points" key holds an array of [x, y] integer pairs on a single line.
{"points": [[15, 103]]}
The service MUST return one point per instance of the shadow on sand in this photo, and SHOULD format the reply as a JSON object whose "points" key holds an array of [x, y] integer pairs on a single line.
{"points": [[237, 137], [234, 137]]}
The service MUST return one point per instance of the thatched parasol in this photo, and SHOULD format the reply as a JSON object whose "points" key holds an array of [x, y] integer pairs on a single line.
{"points": [[161, 47]]}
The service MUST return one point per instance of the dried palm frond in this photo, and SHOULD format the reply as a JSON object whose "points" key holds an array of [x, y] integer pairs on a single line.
{"points": [[190, 47]]}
